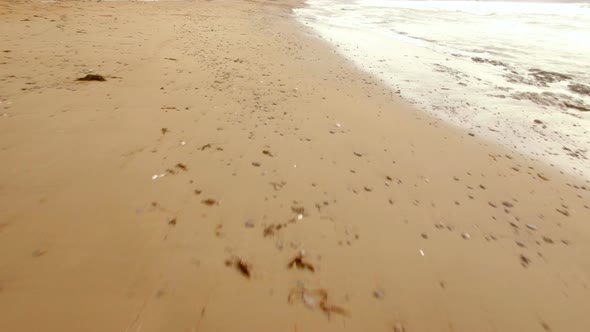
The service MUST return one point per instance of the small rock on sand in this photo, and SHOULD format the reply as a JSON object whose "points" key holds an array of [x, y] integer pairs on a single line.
{"points": [[92, 77]]}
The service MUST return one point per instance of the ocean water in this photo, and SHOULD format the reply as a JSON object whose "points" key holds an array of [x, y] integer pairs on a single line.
{"points": [[516, 73]]}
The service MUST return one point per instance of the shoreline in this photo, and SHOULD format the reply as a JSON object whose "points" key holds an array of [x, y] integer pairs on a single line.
{"points": [[511, 114], [270, 144]]}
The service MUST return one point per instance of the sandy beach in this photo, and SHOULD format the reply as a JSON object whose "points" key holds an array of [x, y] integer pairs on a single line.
{"points": [[234, 173]]}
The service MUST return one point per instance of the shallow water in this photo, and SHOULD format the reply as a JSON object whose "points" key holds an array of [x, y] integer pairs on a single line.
{"points": [[514, 73]]}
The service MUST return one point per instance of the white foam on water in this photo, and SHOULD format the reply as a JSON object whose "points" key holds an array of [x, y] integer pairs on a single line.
{"points": [[490, 67]]}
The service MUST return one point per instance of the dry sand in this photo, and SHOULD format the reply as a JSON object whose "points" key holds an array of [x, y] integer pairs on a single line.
{"points": [[409, 225]]}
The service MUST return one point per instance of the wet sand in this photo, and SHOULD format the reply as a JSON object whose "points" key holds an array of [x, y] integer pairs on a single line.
{"points": [[226, 141], [521, 100]]}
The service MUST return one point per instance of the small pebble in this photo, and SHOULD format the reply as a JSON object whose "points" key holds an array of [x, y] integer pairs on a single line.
{"points": [[507, 204], [531, 227], [466, 236]]}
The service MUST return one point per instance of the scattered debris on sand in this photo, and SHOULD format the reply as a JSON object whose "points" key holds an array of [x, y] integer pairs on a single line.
{"points": [[300, 263], [271, 229], [278, 185], [181, 166], [507, 204], [209, 201], [314, 298], [298, 209], [241, 265], [524, 261], [92, 77], [244, 267], [563, 211]]}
